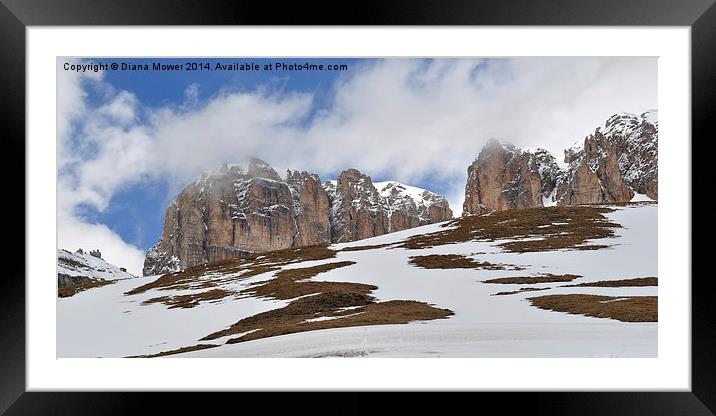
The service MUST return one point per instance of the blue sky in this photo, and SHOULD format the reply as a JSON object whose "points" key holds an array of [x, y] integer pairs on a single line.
{"points": [[136, 212], [159, 88], [128, 141]]}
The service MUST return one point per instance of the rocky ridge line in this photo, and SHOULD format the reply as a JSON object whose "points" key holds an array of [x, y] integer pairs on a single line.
{"points": [[234, 211], [616, 163]]}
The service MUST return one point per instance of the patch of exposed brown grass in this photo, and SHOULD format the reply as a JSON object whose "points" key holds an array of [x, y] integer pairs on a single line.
{"points": [[625, 309], [522, 290], [564, 227], [283, 320], [530, 280], [209, 274], [164, 281], [551, 243], [285, 284], [639, 281], [190, 300], [177, 351], [456, 261], [625, 204], [326, 300], [67, 291], [368, 247], [293, 318]]}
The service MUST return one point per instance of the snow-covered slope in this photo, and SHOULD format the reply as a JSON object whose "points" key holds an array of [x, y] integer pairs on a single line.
{"points": [[83, 264], [108, 322]]}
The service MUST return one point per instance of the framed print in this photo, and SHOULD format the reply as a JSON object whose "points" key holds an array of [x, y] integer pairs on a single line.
{"points": [[473, 197]]}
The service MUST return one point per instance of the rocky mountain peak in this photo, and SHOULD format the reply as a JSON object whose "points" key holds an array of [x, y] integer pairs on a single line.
{"points": [[358, 187], [259, 169], [613, 164], [494, 145], [401, 199], [351, 174], [235, 210], [545, 164], [297, 177], [357, 209], [502, 177], [362, 209]]}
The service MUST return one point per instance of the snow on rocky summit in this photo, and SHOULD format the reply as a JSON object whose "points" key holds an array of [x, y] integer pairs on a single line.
{"points": [[616, 163], [236, 210]]}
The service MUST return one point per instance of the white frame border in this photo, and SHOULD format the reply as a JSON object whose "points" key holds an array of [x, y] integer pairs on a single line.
{"points": [[670, 371]]}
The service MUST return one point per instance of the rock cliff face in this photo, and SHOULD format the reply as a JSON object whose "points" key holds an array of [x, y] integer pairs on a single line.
{"points": [[502, 177], [363, 209], [310, 208], [225, 214], [234, 211], [616, 162], [357, 209]]}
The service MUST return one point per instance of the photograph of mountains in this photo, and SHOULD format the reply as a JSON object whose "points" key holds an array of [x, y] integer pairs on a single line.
{"points": [[501, 207]]}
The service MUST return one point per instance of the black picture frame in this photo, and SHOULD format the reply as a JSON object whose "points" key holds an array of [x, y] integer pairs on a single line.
{"points": [[16, 15]]}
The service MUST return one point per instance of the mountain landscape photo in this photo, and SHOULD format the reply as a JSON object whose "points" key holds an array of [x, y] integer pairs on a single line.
{"points": [[403, 208]]}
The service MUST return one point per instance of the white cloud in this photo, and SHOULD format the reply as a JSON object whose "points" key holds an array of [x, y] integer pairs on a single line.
{"points": [[121, 109], [70, 104], [191, 95], [74, 233], [403, 119]]}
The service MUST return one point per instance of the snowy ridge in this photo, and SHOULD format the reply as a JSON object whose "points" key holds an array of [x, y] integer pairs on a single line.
{"points": [[406, 199], [634, 136], [83, 264], [397, 190], [380, 199]]}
